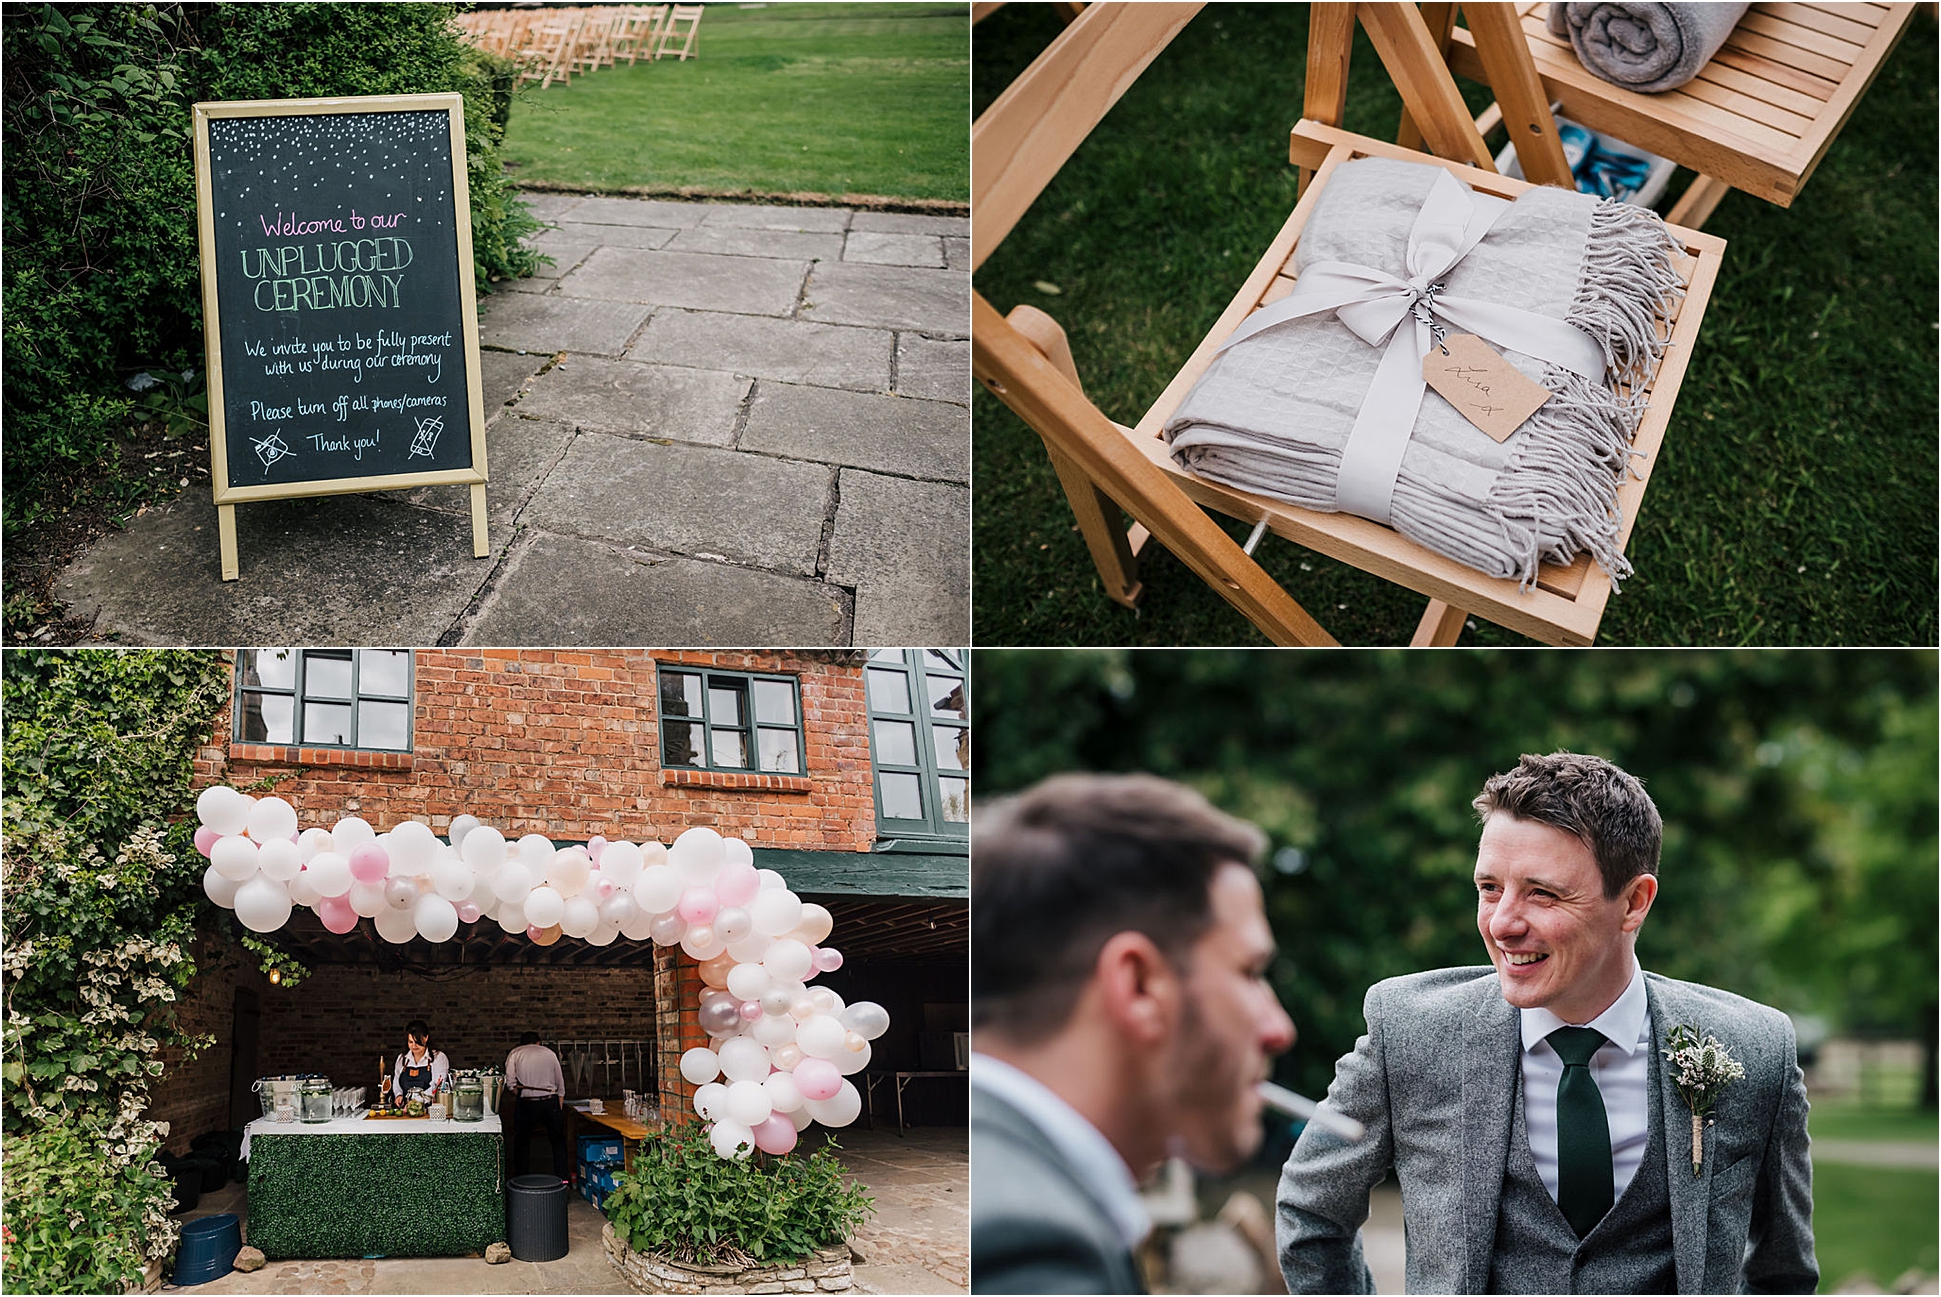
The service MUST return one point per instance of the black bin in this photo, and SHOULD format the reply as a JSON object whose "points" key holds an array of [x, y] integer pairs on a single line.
{"points": [[536, 1217]]}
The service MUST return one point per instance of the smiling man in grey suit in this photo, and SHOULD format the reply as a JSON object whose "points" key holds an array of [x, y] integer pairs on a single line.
{"points": [[1118, 987], [1525, 1109]]}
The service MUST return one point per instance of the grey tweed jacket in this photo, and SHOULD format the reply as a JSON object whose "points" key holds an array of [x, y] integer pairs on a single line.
{"points": [[1434, 1079], [1035, 1226]]}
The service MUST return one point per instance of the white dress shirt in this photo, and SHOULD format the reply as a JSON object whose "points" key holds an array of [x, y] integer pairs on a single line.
{"points": [[532, 1072], [1091, 1155], [1620, 1069], [440, 1068]]}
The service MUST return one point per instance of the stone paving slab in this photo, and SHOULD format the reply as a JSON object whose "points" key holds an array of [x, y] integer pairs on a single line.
{"points": [[693, 500], [755, 216], [501, 376], [575, 233], [524, 322], [697, 280], [933, 370], [891, 434], [624, 396], [345, 569], [551, 207], [911, 223], [544, 279], [931, 301], [792, 351], [732, 242], [519, 453], [894, 249], [561, 590], [905, 547], [957, 254], [639, 211]]}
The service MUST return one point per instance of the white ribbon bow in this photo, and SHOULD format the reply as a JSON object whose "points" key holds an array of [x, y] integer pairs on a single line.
{"points": [[1374, 303]]}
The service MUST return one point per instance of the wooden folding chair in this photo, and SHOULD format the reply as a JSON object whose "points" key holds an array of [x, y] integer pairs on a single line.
{"points": [[1758, 117], [689, 14], [1022, 140], [640, 32], [548, 53]]}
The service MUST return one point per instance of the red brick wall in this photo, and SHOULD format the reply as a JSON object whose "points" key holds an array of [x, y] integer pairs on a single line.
{"points": [[568, 744], [677, 984]]}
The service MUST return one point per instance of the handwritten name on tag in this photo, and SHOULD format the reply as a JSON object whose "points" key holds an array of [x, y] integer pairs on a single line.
{"points": [[1485, 388]]}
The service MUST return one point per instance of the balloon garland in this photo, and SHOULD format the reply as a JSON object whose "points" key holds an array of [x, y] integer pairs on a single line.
{"points": [[780, 1052]]}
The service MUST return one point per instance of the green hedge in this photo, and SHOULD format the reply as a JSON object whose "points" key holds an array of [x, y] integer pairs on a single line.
{"points": [[100, 276], [437, 1194]]}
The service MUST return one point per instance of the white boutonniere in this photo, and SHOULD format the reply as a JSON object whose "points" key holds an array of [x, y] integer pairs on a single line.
{"points": [[1705, 1068]]}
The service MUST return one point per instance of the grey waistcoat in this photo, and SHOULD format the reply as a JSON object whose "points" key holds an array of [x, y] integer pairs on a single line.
{"points": [[1629, 1251]]}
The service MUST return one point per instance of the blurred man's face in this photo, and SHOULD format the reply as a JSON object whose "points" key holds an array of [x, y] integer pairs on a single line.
{"points": [[1230, 1025], [1556, 940]]}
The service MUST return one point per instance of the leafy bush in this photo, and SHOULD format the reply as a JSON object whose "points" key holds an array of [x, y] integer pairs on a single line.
{"points": [[101, 273], [683, 1201], [102, 889]]}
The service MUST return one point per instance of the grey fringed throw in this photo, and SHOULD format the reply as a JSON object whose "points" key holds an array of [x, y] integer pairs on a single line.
{"points": [[1645, 47], [1274, 411]]}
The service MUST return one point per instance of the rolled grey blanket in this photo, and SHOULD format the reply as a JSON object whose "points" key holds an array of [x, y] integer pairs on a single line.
{"points": [[1274, 411], [1645, 47]]}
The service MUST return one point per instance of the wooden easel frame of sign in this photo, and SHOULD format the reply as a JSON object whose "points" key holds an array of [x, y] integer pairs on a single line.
{"points": [[228, 494]]}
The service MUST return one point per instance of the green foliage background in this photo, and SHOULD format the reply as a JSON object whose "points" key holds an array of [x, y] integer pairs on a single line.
{"points": [[101, 274], [1798, 791], [102, 884]]}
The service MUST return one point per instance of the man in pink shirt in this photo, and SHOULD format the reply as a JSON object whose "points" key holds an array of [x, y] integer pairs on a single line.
{"points": [[538, 1089]]}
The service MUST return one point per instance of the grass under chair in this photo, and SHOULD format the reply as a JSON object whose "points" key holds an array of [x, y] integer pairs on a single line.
{"points": [[787, 98], [1794, 500]]}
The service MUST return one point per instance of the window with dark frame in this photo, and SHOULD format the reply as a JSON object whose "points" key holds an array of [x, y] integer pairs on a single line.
{"points": [[730, 720], [325, 698], [919, 727]]}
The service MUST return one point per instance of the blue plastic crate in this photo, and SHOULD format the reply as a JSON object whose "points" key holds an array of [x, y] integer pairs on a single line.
{"points": [[596, 1150]]}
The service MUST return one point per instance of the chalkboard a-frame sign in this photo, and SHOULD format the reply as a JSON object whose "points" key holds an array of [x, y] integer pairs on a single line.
{"points": [[338, 311]]}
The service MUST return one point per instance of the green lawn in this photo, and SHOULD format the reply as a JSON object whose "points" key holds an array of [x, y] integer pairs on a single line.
{"points": [[1873, 1219], [1857, 1121], [830, 99], [1794, 502]]}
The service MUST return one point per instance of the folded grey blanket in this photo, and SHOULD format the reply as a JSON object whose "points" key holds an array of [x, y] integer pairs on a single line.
{"points": [[1645, 47], [1274, 412]]}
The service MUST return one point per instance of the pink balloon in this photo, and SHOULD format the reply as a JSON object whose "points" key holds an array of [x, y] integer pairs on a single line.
{"points": [[206, 839], [606, 887], [699, 904], [751, 1009], [296, 837], [594, 846], [776, 1135], [534, 933], [828, 960], [737, 883], [369, 864], [817, 1078], [469, 913], [815, 963], [336, 914]]}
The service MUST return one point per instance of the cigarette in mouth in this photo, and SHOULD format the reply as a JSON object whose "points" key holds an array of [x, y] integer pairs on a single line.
{"points": [[1304, 1109]]}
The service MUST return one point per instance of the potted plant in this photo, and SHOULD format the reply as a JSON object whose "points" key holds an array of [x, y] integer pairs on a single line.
{"points": [[686, 1220]]}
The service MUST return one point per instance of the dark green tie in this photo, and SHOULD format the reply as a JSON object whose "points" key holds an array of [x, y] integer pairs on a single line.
{"points": [[1583, 1133]]}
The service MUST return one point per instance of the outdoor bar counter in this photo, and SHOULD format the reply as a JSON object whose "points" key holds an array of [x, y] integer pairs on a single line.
{"points": [[357, 1187]]}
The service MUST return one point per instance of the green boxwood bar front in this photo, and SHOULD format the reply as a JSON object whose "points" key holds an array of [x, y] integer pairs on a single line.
{"points": [[375, 1195]]}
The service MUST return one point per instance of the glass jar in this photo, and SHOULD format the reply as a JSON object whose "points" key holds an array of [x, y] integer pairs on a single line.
{"points": [[468, 1100], [313, 1101], [414, 1103]]}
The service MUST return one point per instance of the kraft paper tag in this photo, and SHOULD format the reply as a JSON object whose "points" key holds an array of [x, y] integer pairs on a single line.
{"points": [[1485, 388]]}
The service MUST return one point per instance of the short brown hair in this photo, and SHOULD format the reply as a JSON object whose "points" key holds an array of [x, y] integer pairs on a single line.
{"points": [[1588, 797], [1061, 868]]}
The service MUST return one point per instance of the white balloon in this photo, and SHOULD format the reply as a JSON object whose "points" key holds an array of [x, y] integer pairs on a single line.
{"points": [[262, 905], [302, 890], [749, 950], [436, 918], [401, 893], [453, 878], [512, 917], [821, 1036], [279, 859], [312, 843], [460, 826], [744, 1059], [484, 848], [748, 1103], [783, 1094], [699, 949], [618, 910], [272, 820], [734, 849], [775, 911], [802, 1008], [732, 925], [866, 1018], [770, 879], [621, 863], [640, 927], [840, 1110], [397, 926], [603, 935], [235, 858], [350, 833], [849, 1063], [413, 845], [786, 960], [367, 899], [815, 925], [580, 917], [708, 1097], [543, 907], [219, 887], [800, 1118], [223, 810], [772, 1031], [658, 889], [512, 881], [329, 873], [732, 1140], [697, 856], [748, 981], [825, 1000], [775, 1002], [567, 870], [535, 849]]}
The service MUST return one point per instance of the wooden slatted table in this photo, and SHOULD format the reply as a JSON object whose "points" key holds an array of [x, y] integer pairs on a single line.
{"points": [[1757, 118]]}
